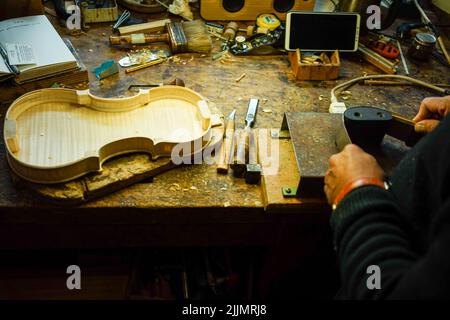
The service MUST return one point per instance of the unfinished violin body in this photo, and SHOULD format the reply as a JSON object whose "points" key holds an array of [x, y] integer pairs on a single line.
{"points": [[56, 135]]}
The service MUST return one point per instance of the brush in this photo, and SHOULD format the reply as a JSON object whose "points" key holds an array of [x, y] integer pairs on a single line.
{"points": [[189, 36]]}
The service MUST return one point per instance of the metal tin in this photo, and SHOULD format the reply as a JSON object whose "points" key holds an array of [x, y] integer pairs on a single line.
{"points": [[422, 46]]}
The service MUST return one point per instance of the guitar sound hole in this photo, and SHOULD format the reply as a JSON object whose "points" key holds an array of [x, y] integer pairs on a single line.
{"points": [[233, 5], [283, 5]]}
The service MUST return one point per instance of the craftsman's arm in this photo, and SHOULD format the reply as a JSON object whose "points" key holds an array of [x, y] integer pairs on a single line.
{"points": [[368, 230]]}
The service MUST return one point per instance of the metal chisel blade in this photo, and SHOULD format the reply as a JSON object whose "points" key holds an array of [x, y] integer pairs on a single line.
{"points": [[251, 112]]}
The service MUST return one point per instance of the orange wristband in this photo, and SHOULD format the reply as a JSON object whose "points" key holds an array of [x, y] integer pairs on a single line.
{"points": [[356, 184]]}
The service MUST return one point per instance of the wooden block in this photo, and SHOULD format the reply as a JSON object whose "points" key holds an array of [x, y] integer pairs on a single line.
{"points": [[148, 27]]}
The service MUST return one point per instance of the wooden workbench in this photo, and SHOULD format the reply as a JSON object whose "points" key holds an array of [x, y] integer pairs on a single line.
{"points": [[204, 208]]}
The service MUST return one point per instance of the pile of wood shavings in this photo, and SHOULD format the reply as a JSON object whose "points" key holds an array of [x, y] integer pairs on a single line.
{"points": [[178, 60], [226, 58]]}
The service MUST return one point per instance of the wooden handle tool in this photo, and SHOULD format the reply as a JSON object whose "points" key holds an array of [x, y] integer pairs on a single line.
{"points": [[139, 38], [189, 36], [243, 144], [227, 144], [241, 156], [144, 65]]}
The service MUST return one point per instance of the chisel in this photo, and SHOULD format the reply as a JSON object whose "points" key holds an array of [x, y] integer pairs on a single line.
{"points": [[243, 144], [227, 144]]}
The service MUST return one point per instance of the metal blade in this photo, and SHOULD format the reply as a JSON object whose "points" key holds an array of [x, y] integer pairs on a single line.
{"points": [[251, 112], [232, 115]]}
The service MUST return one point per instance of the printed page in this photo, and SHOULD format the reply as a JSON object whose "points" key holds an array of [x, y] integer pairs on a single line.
{"points": [[38, 32]]}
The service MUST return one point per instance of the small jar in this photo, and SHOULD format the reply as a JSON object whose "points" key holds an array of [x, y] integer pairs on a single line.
{"points": [[422, 46]]}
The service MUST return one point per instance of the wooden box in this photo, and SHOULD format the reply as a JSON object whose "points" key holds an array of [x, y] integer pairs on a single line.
{"points": [[304, 71], [238, 10], [104, 14]]}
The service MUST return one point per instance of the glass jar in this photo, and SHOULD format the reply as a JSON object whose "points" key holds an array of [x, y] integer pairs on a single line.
{"points": [[422, 46]]}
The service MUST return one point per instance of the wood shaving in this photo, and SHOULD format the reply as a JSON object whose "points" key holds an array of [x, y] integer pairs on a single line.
{"points": [[241, 77], [345, 95]]}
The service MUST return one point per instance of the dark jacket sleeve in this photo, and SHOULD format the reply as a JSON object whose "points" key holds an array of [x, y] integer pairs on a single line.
{"points": [[368, 230]]}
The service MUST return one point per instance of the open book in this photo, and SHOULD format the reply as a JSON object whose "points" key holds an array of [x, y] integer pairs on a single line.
{"points": [[42, 43]]}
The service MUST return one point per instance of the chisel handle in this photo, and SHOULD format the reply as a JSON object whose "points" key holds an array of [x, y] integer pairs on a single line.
{"points": [[242, 153], [139, 38], [227, 146]]}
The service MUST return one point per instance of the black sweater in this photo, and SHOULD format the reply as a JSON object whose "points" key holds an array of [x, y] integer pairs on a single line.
{"points": [[405, 231]]}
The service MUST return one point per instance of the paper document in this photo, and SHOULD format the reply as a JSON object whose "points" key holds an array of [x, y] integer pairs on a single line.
{"points": [[19, 54]]}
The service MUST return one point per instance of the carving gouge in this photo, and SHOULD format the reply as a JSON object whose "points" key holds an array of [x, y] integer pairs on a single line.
{"points": [[227, 144], [243, 145]]}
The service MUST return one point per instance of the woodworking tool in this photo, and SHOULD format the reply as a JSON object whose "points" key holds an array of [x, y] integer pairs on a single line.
{"points": [[189, 36], [367, 126], [123, 17], [268, 21], [136, 59], [405, 65], [311, 140], [377, 60], [230, 31], [145, 65], [107, 69], [174, 82], [384, 49], [258, 43], [246, 137], [227, 144]]}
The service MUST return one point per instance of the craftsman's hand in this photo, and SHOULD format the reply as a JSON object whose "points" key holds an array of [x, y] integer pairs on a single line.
{"points": [[431, 111], [347, 166]]}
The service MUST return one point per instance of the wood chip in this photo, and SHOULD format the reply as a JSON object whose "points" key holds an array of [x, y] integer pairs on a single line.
{"points": [[241, 77]]}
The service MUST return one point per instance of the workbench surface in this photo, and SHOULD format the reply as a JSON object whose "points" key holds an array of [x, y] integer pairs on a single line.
{"points": [[196, 195]]}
